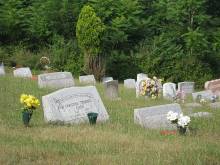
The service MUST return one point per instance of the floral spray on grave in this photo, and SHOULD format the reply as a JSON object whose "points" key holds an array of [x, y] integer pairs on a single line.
{"points": [[151, 87], [30, 103]]}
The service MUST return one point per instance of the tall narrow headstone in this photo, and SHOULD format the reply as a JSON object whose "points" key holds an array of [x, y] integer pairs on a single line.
{"points": [[23, 72], [186, 87], [87, 79], [155, 117], [169, 91], [56, 80], [129, 83], [140, 77], [2, 70], [111, 89], [71, 105]]}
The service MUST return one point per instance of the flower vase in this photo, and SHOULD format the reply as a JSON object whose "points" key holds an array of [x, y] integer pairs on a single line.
{"points": [[26, 117], [182, 130], [92, 117]]}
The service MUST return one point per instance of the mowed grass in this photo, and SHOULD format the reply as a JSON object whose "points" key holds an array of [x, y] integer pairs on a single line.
{"points": [[118, 141]]}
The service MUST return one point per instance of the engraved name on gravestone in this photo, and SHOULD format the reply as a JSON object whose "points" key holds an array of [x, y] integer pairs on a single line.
{"points": [[87, 79], [2, 69], [140, 77], [71, 105], [56, 80], [111, 89], [104, 79], [23, 72], [213, 85], [169, 90], [202, 95], [155, 117], [187, 87], [129, 83]]}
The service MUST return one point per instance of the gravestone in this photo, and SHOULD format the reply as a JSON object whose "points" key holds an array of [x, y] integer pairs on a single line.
{"points": [[207, 95], [140, 77], [214, 86], [104, 79], [129, 83], [2, 70], [71, 105], [111, 89], [215, 105], [187, 87], [56, 80], [155, 117], [169, 91], [87, 79], [23, 72]]}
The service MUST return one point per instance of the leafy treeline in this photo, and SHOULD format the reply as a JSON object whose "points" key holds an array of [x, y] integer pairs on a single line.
{"points": [[174, 39]]}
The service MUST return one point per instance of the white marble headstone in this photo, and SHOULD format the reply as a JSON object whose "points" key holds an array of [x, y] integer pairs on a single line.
{"points": [[187, 87], [56, 80], [23, 72], [71, 105], [129, 83], [104, 79], [155, 117], [87, 79], [203, 94], [140, 77], [169, 90], [2, 70]]}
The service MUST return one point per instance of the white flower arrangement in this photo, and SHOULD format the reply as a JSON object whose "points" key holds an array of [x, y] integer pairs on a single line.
{"points": [[181, 121]]}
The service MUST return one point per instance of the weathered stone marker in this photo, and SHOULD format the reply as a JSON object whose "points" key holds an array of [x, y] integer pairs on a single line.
{"points": [[187, 87], [23, 72], [104, 79], [202, 95], [213, 85], [56, 80], [87, 79], [111, 89], [2, 70], [71, 105], [129, 83], [155, 117]]}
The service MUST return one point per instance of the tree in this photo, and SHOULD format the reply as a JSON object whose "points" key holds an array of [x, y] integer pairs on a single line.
{"points": [[89, 32]]}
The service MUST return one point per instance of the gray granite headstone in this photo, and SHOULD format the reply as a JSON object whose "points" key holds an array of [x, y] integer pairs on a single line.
{"points": [[169, 91], [71, 105], [155, 117], [202, 95], [87, 79], [140, 77], [23, 72], [104, 79], [129, 83], [111, 89], [187, 87], [56, 80], [2, 70]]}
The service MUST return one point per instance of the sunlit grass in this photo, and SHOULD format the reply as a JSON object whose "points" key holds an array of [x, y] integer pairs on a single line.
{"points": [[118, 141]]}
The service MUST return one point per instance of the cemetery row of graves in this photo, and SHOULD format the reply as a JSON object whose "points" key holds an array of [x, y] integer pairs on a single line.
{"points": [[70, 104], [138, 120]]}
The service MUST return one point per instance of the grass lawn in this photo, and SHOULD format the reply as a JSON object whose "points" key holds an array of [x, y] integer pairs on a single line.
{"points": [[119, 141]]}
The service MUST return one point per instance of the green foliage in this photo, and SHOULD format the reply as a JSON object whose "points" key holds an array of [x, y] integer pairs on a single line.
{"points": [[89, 31]]}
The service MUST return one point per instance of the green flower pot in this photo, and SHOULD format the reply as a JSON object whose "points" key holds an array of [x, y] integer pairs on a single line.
{"points": [[182, 131], [92, 117], [26, 117]]}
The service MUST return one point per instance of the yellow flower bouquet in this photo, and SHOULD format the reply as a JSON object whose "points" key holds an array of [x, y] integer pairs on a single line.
{"points": [[30, 103]]}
